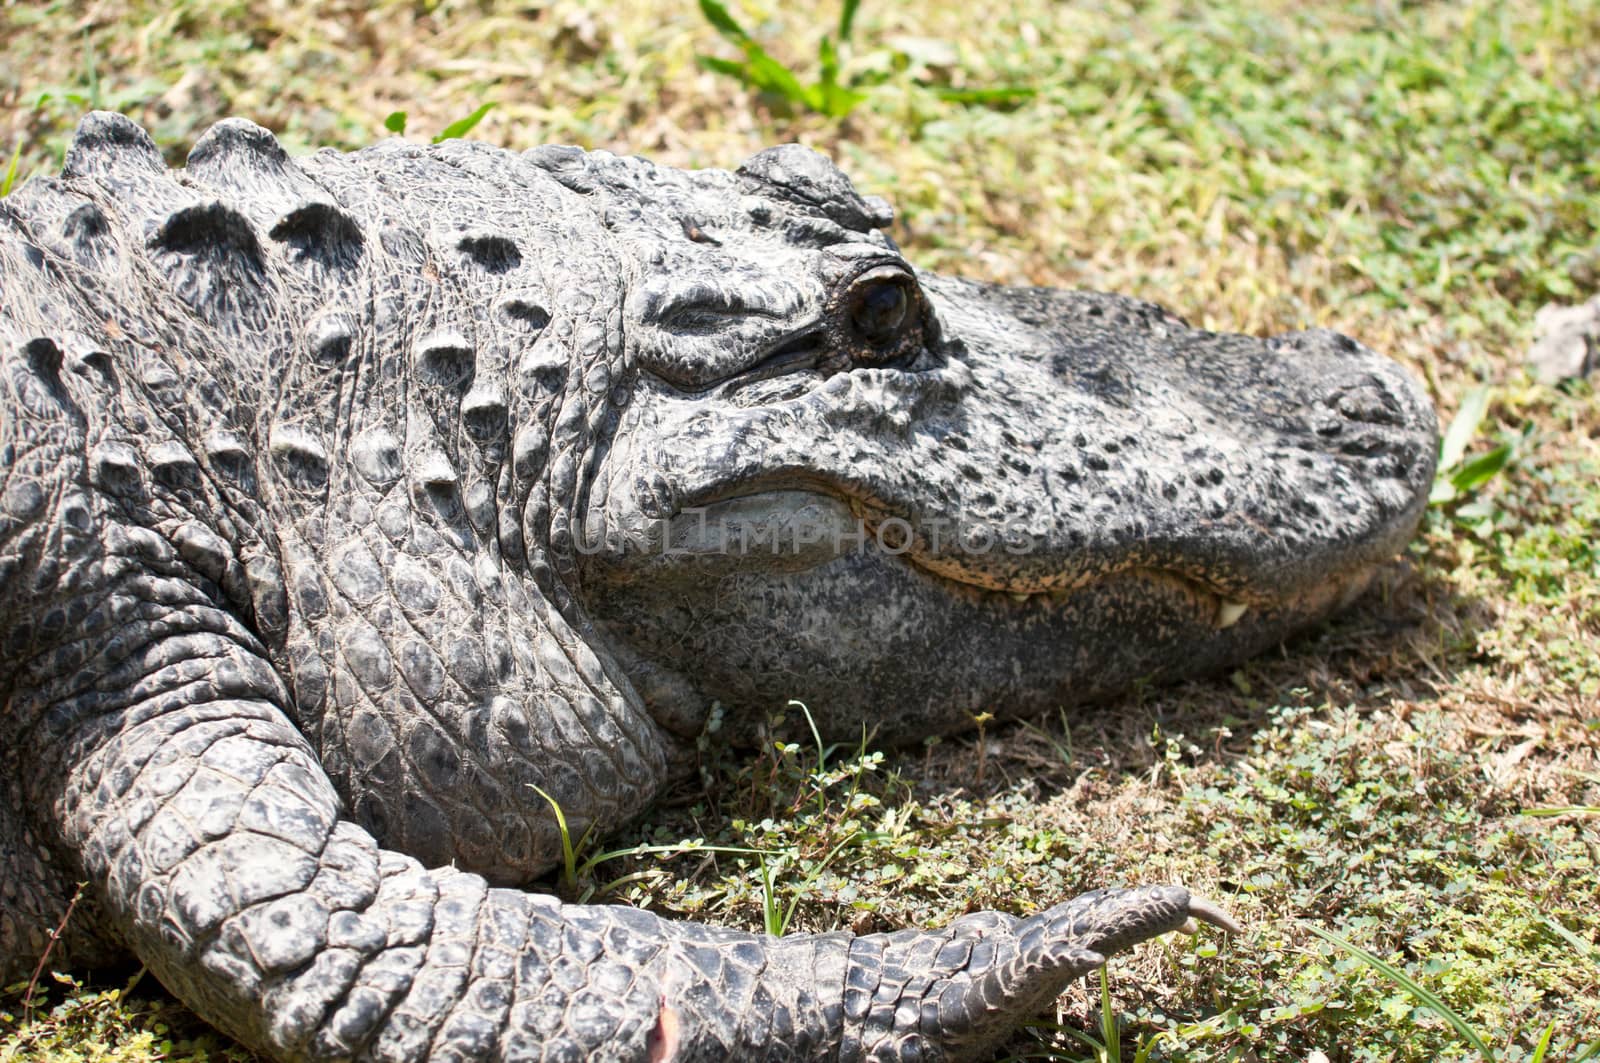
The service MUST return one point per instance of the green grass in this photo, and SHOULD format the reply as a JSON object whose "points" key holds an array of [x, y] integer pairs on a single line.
{"points": [[1420, 778], [1543, 1041]]}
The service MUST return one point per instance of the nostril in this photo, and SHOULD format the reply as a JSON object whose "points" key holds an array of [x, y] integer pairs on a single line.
{"points": [[1369, 401]]}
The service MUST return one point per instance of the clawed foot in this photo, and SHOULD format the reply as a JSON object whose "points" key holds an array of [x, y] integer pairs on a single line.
{"points": [[951, 993]]}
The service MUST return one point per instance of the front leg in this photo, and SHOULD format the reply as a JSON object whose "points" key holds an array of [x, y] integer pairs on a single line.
{"points": [[217, 843]]}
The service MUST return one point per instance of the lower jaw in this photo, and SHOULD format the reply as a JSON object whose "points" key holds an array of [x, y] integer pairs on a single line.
{"points": [[730, 520], [873, 642], [1226, 611], [1194, 602], [1206, 605]]}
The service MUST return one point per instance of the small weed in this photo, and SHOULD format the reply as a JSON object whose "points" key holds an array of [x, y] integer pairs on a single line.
{"points": [[822, 753], [1580, 947], [815, 782], [575, 876], [1564, 810], [1108, 1048], [395, 123], [90, 93], [765, 74], [828, 95], [10, 179], [981, 721], [128, 1023], [775, 917], [29, 1000], [569, 849], [1430, 1000], [462, 126], [1106, 1043], [1567, 810], [1457, 479]]}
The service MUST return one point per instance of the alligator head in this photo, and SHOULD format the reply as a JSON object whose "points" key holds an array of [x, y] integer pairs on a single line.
{"points": [[905, 499]]}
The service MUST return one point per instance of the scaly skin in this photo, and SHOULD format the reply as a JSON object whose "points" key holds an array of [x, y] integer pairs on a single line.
{"points": [[345, 501]]}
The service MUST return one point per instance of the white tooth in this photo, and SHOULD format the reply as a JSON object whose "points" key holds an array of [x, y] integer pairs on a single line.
{"points": [[1019, 597], [1228, 613]]}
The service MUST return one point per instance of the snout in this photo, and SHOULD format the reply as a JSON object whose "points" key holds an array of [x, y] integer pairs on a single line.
{"points": [[1108, 435]]}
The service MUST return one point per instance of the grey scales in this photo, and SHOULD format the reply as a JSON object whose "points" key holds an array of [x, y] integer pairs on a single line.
{"points": [[348, 501]]}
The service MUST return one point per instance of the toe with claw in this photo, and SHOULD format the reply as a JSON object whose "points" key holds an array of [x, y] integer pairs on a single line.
{"points": [[953, 993]]}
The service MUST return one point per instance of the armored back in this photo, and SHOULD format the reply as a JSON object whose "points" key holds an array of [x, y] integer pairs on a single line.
{"points": [[356, 395]]}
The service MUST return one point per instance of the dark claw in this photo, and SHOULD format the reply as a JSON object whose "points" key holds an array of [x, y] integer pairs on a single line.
{"points": [[1207, 912]]}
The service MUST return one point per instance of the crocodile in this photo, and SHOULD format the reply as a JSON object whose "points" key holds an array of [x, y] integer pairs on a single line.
{"points": [[351, 504]]}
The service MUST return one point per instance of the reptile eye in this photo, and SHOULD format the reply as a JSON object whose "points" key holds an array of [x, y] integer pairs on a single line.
{"points": [[879, 309]]}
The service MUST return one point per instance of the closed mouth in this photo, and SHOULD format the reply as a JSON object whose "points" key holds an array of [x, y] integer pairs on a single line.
{"points": [[1220, 609], [1198, 599]]}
